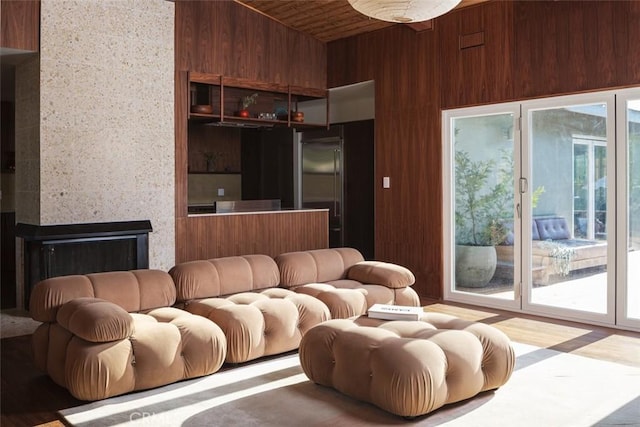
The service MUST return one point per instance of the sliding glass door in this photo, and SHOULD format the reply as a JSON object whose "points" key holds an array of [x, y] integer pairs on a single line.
{"points": [[569, 150], [542, 206], [485, 254]]}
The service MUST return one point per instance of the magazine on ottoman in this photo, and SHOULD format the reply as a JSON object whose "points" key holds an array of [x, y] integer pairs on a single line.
{"points": [[394, 312]]}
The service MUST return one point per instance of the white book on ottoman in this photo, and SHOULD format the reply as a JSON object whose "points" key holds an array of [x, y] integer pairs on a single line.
{"points": [[394, 312]]}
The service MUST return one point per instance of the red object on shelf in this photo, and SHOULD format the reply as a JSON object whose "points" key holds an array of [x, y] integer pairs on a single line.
{"points": [[243, 113]]}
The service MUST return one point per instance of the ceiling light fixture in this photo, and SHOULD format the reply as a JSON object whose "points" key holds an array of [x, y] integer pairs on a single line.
{"points": [[403, 11]]}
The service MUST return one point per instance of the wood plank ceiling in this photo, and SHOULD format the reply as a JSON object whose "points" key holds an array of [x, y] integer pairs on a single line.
{"points": [[327, 20]]}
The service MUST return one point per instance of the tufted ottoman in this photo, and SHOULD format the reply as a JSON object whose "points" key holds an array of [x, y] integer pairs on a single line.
{"points": [[408, 368]]}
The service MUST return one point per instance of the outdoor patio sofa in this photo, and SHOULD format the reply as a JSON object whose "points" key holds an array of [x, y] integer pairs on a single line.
{"points": [[555, 253]]}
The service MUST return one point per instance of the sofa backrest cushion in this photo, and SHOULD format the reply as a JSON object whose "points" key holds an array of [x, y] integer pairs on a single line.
{"points": [[134, 291], [316, 266], [224, 276], [534, 230], [553, 228]]}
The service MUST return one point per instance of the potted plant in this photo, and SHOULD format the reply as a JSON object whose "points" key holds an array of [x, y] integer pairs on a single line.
{"points": [[211, 158], [482, 215], [479, 218], [246, 102]]}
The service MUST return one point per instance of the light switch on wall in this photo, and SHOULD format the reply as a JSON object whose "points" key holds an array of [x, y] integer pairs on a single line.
{"points": [[220, 192], [386, 182]]}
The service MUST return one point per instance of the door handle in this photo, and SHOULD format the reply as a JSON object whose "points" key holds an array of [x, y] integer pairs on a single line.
{"points": [[518, 210], [524, 185]]}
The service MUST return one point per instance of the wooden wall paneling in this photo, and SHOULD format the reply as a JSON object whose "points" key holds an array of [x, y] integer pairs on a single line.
{"points": [[20, 22], [627, 35], [339, 62], [346, 63], [181, 149], [408, 150], [223, 141], [224, 37], [472, 72], [312, 69], [407, 144], [570, 47], [228, 235]]}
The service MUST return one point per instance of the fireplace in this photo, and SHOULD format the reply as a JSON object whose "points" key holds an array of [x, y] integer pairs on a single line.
{"points": [[59, 250]]}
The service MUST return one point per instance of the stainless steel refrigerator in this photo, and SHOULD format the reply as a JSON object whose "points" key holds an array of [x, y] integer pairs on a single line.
{"points": [[322, 177]]}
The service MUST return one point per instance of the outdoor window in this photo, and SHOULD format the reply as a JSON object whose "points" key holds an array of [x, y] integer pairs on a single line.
{"points": [[589, 187]]}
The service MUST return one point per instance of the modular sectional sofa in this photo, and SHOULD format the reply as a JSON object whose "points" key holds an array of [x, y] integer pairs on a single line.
{"points": [[111, 333]]}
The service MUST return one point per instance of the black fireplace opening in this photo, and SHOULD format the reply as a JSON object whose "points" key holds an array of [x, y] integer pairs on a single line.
{"points": [[60, 250]]}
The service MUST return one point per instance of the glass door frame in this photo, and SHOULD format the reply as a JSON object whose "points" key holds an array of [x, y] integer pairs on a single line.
{"points": [[528, 107], [448, 206], [622, 217], [617, 199]]}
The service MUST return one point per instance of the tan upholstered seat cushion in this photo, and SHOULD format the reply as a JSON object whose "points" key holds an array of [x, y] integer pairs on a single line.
{"points": [[408, 368], [240, 294]]}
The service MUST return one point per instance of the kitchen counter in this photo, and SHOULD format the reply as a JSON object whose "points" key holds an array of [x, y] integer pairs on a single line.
{"points": [[210, 212], [214, 235]]}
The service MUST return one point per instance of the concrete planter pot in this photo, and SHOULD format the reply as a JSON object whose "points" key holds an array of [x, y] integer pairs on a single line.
{"points": [[475, 265]]}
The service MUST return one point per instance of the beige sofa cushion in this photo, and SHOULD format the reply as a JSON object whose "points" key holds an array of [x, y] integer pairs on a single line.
{"points": [[316, 266], [224, 276], [381, 273], [95, 320], [134, 291]]}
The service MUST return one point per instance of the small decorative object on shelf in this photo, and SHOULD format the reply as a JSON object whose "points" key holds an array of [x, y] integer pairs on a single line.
{"points": [[246, 102], [202, 109], [297, 116], [267, 116], [281, 113], [212, 159]]}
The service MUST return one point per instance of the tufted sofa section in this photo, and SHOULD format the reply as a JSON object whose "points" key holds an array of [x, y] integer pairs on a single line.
{"points": [[408, 368], [107, 334], [342, 279], [241, 295]]}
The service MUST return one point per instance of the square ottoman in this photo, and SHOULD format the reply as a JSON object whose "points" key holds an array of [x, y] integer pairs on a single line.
{"points": [[408, 368]]}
